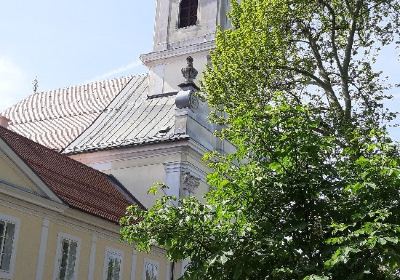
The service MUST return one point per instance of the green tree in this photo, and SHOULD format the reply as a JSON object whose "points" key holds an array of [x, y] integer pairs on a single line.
{"points": [[313, 190]]}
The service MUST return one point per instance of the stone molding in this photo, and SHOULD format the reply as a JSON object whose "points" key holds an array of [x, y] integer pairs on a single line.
{"points": [[152, 57], [190, 183], [183, 178]]}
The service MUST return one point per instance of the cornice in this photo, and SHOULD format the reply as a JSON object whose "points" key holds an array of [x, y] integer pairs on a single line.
{"points": [[134, 152], [11, 190], [184, 50]]}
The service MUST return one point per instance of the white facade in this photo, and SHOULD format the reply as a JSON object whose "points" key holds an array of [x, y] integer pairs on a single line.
{"points": [[178, 164]]}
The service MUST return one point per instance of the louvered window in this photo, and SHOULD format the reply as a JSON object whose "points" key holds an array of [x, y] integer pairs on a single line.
{"points": [[188, 13]]}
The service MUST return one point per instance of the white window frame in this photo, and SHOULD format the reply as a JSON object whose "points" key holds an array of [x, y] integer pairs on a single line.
{"points": [[116, 253], [12, 220], [60, 238], [153, 262]]}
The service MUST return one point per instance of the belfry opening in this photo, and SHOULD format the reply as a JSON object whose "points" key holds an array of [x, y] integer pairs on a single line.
{"points": [[188, 13]]}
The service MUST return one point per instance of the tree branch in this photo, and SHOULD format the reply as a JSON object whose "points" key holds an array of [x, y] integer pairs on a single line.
{"points": [[333, 35], [348, 6], [347, 59], [307, 74], [326, 80], [318, 81]]}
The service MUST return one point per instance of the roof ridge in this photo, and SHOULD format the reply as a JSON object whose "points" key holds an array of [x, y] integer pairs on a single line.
{"points": [[74, 86], [84, 83], [91, 82]]}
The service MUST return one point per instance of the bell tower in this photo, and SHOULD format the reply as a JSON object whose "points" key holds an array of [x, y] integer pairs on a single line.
{"points": [[183, 28]]}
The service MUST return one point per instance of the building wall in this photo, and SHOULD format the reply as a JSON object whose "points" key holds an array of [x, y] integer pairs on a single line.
{"points": [[28, 240], [33, 212], [9, 172], [207, 22], [173, 66], [139, 168], [168, 35], [136, 171]]}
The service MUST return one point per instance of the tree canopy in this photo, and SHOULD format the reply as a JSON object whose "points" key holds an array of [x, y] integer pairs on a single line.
{"points": [[313, 189]]}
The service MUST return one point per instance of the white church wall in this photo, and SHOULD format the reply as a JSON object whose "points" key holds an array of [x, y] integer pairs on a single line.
{"points": [[138, 179], [205, 27], [138, 168], [165, 73], [161, 25], [173, 76], [168, 35]]}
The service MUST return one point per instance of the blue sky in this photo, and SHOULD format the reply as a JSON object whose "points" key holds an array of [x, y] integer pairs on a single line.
{"points": [[68, 42]]}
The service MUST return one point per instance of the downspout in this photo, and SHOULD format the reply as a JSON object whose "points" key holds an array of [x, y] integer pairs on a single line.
{"points": [[172, 270]]}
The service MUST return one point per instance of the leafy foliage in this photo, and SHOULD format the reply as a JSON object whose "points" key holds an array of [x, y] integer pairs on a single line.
{"points": [[312, 191]]}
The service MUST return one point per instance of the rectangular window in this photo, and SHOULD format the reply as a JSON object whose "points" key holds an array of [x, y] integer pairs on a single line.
{"points": [[113, 265], [150, 270], [8, 233], [67, 261], [188, 13]]}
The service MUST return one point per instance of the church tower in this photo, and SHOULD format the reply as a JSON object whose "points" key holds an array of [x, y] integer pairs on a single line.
{"points": [[182, 28]]}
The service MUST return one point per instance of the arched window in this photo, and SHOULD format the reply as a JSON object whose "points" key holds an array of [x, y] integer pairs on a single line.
{"points": [[188, 13]]}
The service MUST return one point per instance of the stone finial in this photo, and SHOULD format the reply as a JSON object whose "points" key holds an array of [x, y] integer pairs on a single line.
{"points": [[189, 72]]}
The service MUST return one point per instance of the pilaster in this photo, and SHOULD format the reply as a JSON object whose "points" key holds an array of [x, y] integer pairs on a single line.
{"points": [[42, 249], [182, 179], [92, 258]]}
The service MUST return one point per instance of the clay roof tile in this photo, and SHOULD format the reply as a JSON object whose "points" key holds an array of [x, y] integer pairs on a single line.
{"points": [[78, 185]]}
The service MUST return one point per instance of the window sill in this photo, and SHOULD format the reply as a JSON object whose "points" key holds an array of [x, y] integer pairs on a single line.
{"points": [[189, 28]]}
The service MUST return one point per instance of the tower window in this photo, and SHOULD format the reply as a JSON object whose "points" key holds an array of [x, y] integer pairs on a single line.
{"points": [[188, 13]]}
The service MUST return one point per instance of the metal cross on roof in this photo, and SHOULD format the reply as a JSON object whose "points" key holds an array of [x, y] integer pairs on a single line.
{"points": [[35, 85]]}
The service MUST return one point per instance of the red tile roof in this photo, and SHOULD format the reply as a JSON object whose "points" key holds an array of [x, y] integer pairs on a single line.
{"points": [[79, 186]]}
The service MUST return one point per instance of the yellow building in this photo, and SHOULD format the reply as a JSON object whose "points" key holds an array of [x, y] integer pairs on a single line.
{"points": [[59, 219]]}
